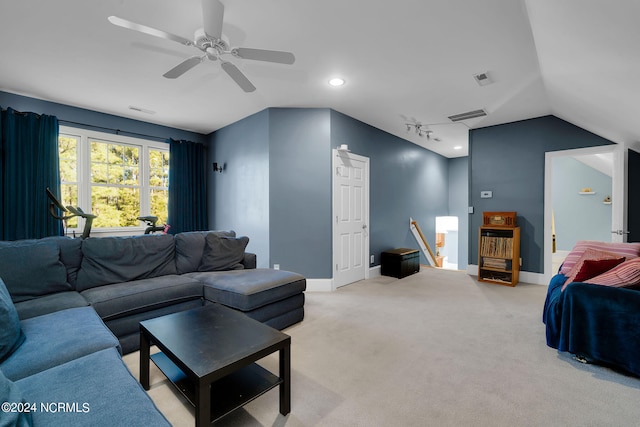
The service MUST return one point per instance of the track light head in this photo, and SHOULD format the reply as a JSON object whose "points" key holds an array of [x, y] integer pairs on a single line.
{"points": [[421, 130]]}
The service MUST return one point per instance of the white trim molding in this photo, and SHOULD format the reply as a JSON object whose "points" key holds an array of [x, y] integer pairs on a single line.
{"points": [[326, 285]]}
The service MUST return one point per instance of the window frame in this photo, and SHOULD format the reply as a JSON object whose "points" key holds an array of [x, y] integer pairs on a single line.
{"points": [[84, 137]]}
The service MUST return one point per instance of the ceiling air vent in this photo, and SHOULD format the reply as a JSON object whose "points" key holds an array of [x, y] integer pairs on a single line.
{"points": [[482, 79], [468, 115]]}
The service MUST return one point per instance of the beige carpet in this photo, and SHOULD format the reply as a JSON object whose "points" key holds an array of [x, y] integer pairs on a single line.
{"points": [[434, 349]]}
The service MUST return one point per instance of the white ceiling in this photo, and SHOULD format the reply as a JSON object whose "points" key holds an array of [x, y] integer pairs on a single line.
{"points": [[404, 61]]}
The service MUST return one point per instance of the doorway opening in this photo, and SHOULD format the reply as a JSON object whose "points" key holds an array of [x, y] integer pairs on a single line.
{"points": [[574, 208], [447, 242]]}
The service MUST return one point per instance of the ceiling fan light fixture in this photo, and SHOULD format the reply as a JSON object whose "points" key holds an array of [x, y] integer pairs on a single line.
{"points": [[212, 44], [336, 82]]}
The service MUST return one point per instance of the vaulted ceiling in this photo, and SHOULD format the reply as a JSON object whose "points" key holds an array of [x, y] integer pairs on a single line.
{"points": [[406, 61]]}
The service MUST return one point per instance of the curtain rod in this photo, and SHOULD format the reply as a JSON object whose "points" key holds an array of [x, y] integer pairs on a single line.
{"points": [[22, 113], [117, 131]]}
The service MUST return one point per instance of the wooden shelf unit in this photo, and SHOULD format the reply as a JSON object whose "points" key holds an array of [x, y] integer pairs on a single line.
{"points": [[499, 255]]}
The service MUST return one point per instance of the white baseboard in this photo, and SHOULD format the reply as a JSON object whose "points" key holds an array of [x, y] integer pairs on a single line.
{"points": [[525, 276], [319, 285], [326, 285], [375, 272]]}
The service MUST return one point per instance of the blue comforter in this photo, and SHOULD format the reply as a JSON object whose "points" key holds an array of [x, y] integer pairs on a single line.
{"points": [[599, 323]]}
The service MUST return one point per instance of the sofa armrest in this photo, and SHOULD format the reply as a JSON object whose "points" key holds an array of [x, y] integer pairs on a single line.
{"points": [[250, 260]]}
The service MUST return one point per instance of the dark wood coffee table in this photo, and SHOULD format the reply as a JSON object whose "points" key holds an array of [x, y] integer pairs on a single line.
{"points": [[208, 353]]}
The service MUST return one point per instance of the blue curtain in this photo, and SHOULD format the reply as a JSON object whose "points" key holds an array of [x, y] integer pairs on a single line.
{"points": [[187, 186], [28, 165]]}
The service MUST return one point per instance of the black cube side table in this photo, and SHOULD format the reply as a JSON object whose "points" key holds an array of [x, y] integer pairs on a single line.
{"points": [[399, 263]]}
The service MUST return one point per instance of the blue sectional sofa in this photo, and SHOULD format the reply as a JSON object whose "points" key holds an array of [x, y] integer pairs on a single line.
{"points": [[64, 369], [77, 305]]}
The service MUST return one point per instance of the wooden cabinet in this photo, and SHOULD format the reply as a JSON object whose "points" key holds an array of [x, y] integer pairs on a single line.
{"points": [[499, 255]]}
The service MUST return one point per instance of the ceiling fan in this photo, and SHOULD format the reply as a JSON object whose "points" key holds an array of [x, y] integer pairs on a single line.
{"points": [[209, 41]]}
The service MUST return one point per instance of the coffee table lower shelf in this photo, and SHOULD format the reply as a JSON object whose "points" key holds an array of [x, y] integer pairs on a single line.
{"points": [[228, 393]]}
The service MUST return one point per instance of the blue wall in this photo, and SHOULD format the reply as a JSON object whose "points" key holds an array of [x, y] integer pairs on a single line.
{"points": [[88, 119], [579, 217], [239, 196], [405, 181], [459, 205], [300, 188], [509, 160]]}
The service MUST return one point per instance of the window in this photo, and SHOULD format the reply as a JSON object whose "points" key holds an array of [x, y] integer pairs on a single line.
{"points": [[114, 177]]}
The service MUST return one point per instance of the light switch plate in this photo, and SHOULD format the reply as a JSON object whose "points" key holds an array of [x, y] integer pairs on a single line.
{"points": [[486, 194]]}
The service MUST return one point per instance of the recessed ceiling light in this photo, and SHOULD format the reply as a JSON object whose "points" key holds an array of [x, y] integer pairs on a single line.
{"points": [[458, 147], [336, 81]]}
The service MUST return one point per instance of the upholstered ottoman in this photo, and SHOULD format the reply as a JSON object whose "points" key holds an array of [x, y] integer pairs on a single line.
{"points": [[274, 297]]}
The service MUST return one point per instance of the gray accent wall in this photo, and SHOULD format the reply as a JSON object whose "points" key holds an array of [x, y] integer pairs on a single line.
{"points": [[509, 160], [300, 190], [239, 196], [459, 205]]}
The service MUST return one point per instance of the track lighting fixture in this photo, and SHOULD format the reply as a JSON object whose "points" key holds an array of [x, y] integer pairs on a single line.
{"points": [[420, 129]]}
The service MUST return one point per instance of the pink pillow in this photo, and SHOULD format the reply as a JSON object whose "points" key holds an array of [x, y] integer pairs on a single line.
{"points": [[588, 255], [627, 250], [592, 268], [620, 276]]}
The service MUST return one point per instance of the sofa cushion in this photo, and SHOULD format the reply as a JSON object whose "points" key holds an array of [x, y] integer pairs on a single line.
{"points": [[49, 304], [11, 336], [247, 290], [125, 299], [32, 268], [10, 393], [56, 338], [70, 255], [109, 260], [190, 246], [223, 253], [100, 389]]}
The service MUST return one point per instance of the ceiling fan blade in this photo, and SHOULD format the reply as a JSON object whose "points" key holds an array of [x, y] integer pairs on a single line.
{"points": [[148, 30], [183, 67], [238, 77], [264, 55], [212, 16]]}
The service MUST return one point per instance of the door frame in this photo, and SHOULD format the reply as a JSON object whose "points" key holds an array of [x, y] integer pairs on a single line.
{"points": [[618, 193], [334, 212]]}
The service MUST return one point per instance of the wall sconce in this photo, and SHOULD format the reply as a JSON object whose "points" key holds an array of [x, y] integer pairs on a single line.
{"points": [[217, 167]]}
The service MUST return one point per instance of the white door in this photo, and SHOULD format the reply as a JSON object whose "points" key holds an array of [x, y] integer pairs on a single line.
{"points": [[350, 217]]}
